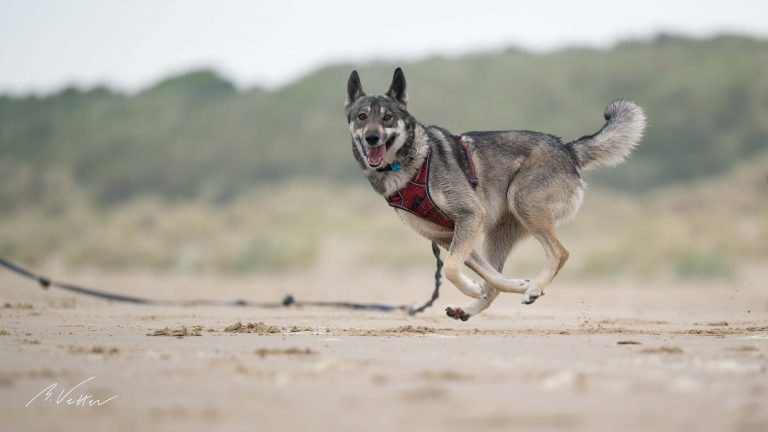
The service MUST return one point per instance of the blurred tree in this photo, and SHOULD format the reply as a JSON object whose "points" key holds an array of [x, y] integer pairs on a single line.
{"points": [[195, 134]]}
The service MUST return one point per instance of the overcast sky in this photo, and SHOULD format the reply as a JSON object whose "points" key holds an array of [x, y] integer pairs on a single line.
{"points": [[45, 45]]}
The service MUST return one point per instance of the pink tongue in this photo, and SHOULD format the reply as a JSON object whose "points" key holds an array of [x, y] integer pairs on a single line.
{"points": [[376, 154]]}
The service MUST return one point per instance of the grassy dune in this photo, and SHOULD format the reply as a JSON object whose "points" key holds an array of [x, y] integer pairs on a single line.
{"points": [[712, 228], [194, 175]]}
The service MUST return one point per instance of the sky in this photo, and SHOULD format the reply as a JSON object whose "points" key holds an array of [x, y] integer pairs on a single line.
{"points": [[46, 45]]}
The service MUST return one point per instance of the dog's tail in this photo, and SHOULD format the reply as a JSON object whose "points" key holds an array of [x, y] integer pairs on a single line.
{"points": [[623, 129]]}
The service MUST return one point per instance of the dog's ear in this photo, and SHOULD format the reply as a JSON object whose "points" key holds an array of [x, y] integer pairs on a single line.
{"points": [[397, 89], [354, 89]]}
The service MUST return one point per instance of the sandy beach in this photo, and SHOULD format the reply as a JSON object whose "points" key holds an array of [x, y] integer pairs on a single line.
{"points": [[586, 357]]}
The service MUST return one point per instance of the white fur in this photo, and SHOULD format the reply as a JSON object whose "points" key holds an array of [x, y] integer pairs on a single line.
{"points": [[423, 227], [395, 180], [389, 157], [615, 141], [566, 210]]}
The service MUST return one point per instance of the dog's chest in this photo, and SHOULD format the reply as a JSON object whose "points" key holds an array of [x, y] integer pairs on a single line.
{"points": [[414, 197], [422, 226]]}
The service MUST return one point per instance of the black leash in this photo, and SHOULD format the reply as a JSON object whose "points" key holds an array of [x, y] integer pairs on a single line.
{"points": [[436, 292], [289, 300]]}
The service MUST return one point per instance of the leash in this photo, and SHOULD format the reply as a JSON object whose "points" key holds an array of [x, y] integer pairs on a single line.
{"points": [[436, 292], [288, 300]]}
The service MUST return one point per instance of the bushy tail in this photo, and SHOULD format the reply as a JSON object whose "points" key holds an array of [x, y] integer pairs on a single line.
{"points": [[624, 127]]}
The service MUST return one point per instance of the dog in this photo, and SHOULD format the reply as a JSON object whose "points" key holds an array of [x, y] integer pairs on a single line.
{"points": [[501, 186]]}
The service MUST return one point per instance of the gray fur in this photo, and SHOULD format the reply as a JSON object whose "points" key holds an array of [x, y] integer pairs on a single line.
{"points": [[613, 143], [528, 183]]}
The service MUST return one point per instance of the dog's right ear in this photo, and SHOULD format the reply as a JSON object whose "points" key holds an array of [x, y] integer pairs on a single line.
{"points": [[354, 89]]}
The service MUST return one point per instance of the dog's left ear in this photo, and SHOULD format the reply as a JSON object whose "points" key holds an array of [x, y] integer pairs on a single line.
{"points": [[397, 89]]}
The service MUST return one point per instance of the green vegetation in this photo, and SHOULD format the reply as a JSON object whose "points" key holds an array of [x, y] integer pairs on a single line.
{"points": [[196, 136], [194, 175], [711, 229]]}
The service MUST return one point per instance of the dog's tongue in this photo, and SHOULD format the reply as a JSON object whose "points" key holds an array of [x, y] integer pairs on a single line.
{"points": [[376, 154]]}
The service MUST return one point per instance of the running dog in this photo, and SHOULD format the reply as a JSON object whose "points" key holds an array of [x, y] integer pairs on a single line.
{"points": [[501, 186]]}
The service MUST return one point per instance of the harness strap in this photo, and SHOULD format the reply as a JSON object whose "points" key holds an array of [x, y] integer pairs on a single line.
{"points": [[471, 176]]}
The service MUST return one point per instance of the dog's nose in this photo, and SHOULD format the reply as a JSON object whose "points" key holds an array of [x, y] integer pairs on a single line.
{"points": [[372, 139]]}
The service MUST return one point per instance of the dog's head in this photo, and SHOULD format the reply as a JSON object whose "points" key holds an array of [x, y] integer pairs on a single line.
{"points": [[378, 124]]}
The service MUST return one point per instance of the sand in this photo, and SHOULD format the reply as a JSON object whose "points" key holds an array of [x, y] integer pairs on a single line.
{"points": [[586, 357]]}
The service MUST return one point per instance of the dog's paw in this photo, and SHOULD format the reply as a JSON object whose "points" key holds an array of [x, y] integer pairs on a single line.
{"points": [[531, 294], [456, 313], [478, 291], [487, 292], [529, 299]]}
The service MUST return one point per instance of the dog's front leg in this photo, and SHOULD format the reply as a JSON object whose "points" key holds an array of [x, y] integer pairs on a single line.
{"points": [[464, 235], [495, 279]]}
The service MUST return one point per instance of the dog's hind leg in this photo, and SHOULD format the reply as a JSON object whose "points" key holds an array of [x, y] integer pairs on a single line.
{"points": [[539, 198], [538, 219], [556, 256], [496, 247]]}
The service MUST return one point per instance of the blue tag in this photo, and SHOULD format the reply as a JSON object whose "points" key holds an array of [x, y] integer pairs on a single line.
{"points": [[395, 166]]}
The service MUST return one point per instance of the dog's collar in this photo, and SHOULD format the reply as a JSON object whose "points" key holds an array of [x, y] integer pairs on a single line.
{"points": [[470, 170], [394, 166]]}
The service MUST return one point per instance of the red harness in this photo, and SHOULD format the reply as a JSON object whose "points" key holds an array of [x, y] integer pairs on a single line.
{"points": [[414, 197]]}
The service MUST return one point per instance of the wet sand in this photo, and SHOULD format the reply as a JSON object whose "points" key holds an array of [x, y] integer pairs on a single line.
{"points": [[606, 357]]}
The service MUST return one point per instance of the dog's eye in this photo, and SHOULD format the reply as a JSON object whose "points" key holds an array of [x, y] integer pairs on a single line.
{"points": [[387, 117], [362, 116]]}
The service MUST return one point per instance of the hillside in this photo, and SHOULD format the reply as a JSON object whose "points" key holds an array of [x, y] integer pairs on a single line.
{"points": [[713, 228], [196, 135]]}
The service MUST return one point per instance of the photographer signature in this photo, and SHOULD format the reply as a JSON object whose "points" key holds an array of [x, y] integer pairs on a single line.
{"points": [[65, 397]]}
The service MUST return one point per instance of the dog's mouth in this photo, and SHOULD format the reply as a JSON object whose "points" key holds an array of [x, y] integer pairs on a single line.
{"points": [[375, 154]]}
